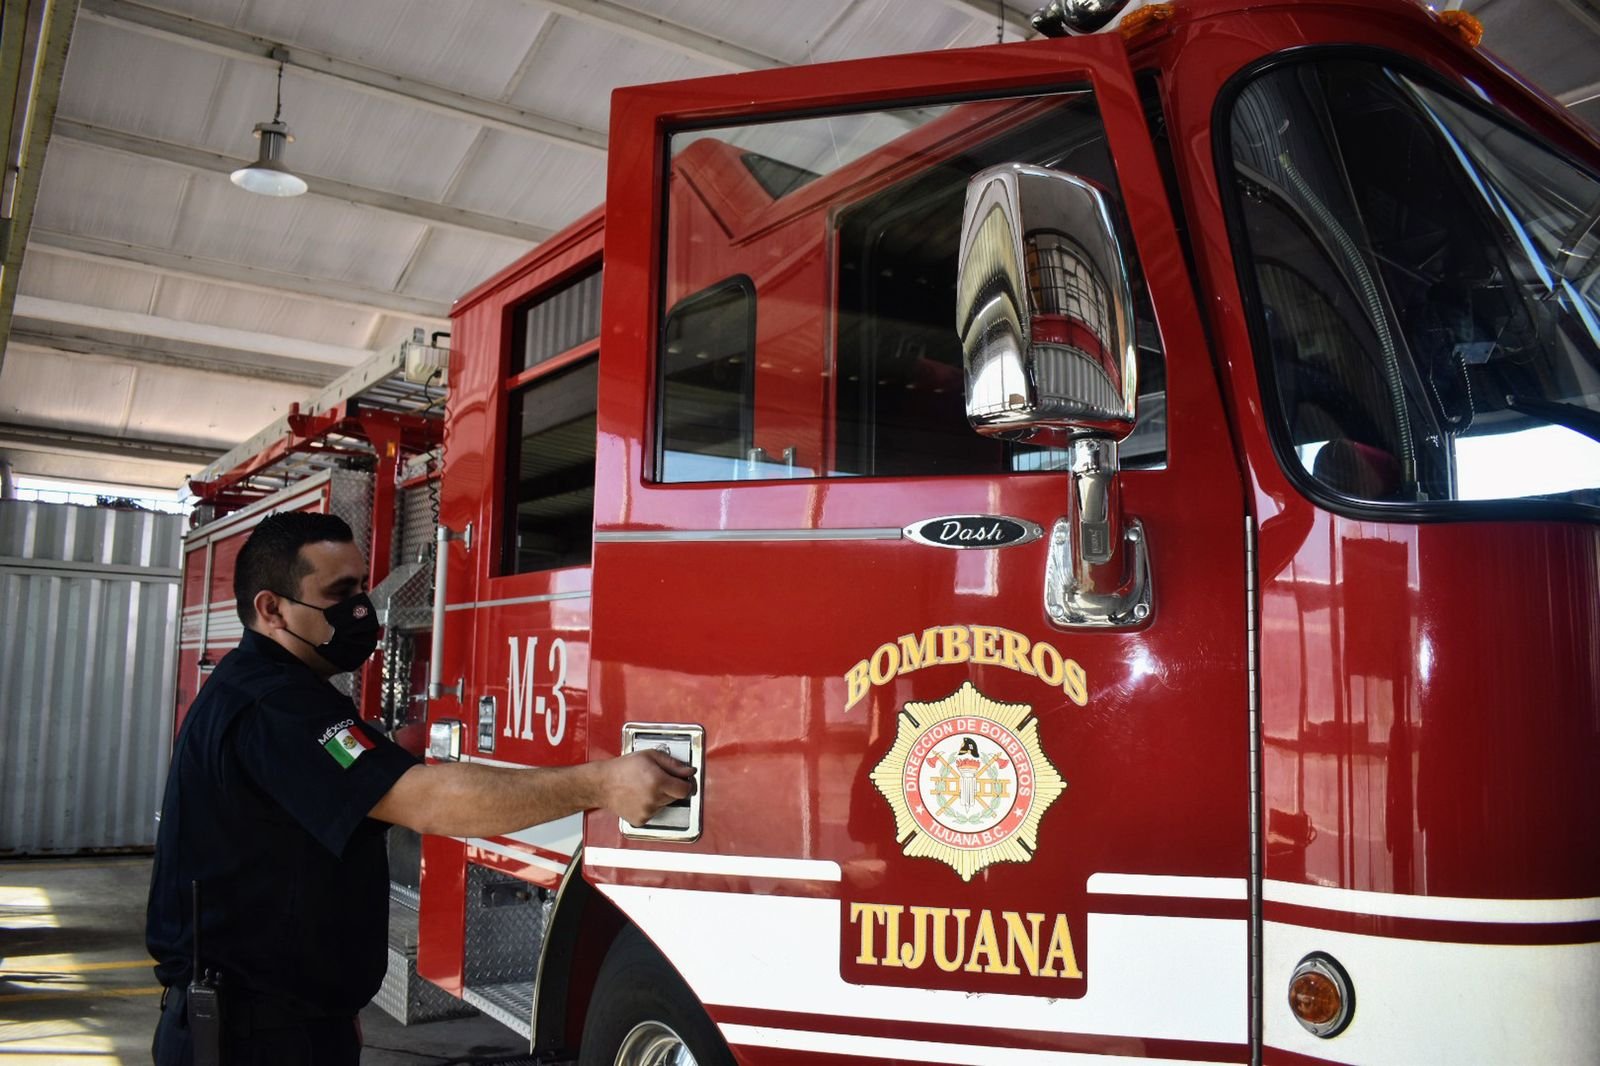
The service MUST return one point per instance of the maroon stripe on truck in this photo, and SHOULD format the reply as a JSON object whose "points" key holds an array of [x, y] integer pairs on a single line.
{"points": [[1169, 906], [975, 1036], [1435, 929]]}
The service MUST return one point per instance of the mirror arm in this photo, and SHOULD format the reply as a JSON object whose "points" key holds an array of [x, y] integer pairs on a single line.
{"points": [[1096, 504], [1098, 571]]}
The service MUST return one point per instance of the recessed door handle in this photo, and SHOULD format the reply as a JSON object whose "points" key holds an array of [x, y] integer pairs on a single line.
{"points": [[681, 819]]}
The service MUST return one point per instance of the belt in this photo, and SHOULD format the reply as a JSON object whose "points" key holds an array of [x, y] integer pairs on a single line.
{"points": [[243, 1011]]}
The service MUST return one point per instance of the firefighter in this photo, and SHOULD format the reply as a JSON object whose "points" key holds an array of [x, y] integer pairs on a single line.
{"points": [[272, 827]]}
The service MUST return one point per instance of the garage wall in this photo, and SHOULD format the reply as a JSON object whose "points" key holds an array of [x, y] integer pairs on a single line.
{"points": [[88, 639]]}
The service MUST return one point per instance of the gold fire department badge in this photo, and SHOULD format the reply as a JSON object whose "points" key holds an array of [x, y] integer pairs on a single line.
{"points": [[967, 781]]}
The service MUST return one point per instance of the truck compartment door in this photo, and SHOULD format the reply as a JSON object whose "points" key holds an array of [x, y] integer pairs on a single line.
{"points": [[929, 810]]}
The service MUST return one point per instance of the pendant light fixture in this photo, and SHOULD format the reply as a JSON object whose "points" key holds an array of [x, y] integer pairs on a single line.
{"points": [[267, 175]]}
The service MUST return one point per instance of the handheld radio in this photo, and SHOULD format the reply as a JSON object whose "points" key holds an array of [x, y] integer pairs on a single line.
{"points": [[204, 1007]]}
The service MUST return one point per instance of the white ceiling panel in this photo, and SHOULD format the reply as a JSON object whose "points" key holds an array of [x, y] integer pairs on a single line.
{"points": [[140, 84], [106, 396], [985, 31], [578, 64], [539, 182], [1557, 50], [63, 462], [59, 277], [390, 330], [65, 391], [196, 407], [186, 300], [305, 235], [1558, 39], [94, 191], [339, 131], [892, 27], [472, 46], [447, 258], [789, 39]]}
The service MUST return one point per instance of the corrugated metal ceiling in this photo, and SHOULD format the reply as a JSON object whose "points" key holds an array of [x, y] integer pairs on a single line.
{"points": [[165, 315]]}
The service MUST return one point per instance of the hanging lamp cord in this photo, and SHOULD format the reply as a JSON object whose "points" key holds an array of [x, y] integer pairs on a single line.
{"points": [[278, 113]]}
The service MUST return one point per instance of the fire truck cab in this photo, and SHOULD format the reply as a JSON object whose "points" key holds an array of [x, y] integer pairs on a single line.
{"points": [[1113, 521]]}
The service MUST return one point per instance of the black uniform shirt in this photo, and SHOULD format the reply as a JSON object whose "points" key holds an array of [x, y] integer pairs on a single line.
{"points": [[266, 806]]}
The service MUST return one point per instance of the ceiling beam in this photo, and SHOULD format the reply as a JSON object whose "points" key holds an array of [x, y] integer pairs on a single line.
{"points": [[54, 338], [627, 22], [34, 38], [238, 276], [234, 44], [409, 208], [142, 325], [44, 438]]}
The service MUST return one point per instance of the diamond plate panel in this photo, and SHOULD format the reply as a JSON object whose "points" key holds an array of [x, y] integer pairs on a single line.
{"points": [[410, 603], [403, 995], [503, 940], [350, 497], [510, 1004], [418, 505]]}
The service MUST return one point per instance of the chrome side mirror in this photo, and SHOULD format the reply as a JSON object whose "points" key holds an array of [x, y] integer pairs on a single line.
{"points": [[1044, 309]]}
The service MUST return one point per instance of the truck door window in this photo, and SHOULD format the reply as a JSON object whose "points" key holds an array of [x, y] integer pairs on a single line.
{"points": [[1425, 282], [845, 228], [549, 486], [552, 470]]}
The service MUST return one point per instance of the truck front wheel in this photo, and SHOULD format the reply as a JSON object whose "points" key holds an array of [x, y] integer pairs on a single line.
{"points": [[643, 1014]]}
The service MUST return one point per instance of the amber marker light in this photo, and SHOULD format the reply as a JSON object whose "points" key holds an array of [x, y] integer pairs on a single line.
{"points": [[1466, 25], [1321, 996], [1146, 18]]}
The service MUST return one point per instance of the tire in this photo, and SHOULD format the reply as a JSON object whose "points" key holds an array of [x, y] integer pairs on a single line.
{"points": [[643, 1014]]}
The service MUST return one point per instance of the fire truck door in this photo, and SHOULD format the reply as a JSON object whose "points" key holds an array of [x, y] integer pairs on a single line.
{"points": [[929, 809]]}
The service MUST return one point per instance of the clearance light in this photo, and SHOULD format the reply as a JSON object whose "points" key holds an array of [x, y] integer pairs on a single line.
{"points": [[1321, 996], [1466, 25], [1145, 18]]}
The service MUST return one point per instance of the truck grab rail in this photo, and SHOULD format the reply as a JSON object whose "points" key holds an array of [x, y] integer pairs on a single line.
{"points": [[442, 537]]}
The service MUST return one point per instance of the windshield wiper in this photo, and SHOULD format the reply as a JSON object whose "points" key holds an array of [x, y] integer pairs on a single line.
{"points": [[1574, 416]]}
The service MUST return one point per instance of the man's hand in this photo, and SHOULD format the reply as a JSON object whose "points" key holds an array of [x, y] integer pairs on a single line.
{"points": [[636, 786], [471, 800]]}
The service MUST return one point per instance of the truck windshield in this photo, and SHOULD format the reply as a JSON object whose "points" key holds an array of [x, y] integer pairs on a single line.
{"points": [[1426, 288]]}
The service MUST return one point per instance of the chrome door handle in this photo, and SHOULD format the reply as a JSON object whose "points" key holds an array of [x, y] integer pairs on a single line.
{"points": [[686, 743]]}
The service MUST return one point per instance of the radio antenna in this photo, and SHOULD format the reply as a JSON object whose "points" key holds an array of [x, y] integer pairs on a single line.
{"points": [[194, 899]]}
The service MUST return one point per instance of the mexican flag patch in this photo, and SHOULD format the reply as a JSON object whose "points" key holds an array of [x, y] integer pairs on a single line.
{"points": [[347, 744]]}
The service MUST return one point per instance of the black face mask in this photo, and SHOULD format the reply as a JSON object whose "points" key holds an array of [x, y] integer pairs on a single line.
{"points": [[355, 632]]}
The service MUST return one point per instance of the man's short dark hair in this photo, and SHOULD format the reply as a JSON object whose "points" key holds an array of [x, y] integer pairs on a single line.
{"points": [[271, 558]]}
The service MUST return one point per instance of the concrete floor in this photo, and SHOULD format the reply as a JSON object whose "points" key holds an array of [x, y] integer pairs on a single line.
{"points": [[76, 985]]}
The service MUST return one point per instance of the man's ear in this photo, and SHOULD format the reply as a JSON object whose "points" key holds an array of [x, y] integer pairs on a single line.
{"points": [[269, 610]]}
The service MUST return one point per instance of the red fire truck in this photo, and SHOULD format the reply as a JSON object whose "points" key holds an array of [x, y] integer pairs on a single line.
{"points": [[1113, 520]]}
